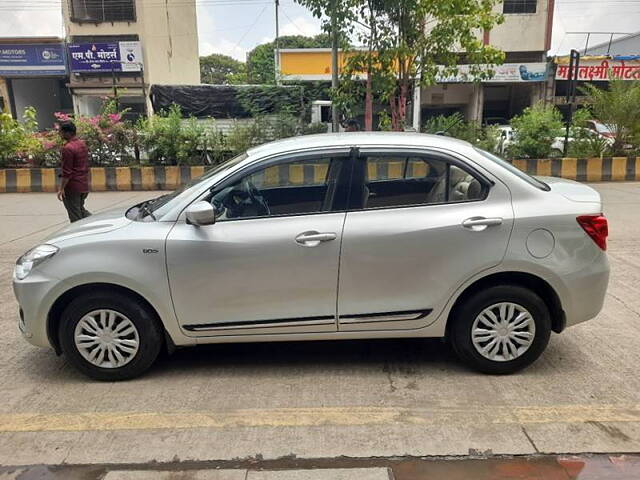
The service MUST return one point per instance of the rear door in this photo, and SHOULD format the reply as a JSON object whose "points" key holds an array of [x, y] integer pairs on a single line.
{"points": [[420, 224]]}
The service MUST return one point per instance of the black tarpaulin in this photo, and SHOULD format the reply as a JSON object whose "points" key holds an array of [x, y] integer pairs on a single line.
{"points": [[216, 101]]}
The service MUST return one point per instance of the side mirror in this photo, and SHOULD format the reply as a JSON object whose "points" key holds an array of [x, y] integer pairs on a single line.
{"points": [[201, 213]]}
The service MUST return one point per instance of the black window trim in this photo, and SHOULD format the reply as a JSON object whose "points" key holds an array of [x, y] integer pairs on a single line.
{"points": [[421, 152], [289, 157]]}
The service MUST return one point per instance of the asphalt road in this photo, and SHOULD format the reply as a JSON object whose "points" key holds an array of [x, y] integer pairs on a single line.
{"points": [[318, 400]]}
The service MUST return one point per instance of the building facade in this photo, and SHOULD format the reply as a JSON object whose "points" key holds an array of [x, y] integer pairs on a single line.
{"points": [[523, 79], [118, 48]]}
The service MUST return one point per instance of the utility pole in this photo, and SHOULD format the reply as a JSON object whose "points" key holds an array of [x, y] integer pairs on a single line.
{"points": [[277, 46], [335, 114], [574, 69]]}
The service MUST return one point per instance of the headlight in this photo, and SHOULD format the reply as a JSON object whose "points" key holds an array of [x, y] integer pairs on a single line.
{"points": [[33, 257]]}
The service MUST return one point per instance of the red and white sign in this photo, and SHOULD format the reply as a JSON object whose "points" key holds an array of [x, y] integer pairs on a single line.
{"points": [[602, 70]]}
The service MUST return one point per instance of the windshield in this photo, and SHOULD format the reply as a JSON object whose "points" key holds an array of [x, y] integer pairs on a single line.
{"points": [[601, 128], [515, 170], [158, 206]]}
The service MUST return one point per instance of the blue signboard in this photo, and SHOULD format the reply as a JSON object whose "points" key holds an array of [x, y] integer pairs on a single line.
{"points": [[29, 60], [105, 57]]}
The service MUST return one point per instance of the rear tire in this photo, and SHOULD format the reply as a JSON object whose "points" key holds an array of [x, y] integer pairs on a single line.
{"points": [[127, 336], [515, 317]]}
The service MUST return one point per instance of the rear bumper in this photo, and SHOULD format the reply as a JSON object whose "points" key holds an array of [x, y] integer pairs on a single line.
{"points": [[587, 289]]}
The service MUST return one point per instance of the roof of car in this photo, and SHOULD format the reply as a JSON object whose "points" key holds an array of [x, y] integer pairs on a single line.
{"points": [[356, 139]]}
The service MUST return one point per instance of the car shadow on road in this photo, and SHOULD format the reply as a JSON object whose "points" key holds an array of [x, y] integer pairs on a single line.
{"points": [[409, 357]]}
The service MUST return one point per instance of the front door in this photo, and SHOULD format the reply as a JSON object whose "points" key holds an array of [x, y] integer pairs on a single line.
{"points": [[270, 262], [420, 227]]}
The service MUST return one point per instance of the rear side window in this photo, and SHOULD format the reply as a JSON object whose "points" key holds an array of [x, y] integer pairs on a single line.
{"points": [[398, 181], [515, 170]]}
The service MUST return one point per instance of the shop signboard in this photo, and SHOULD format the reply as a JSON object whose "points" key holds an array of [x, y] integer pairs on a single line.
{"points": [[601, 69], [505, 73], [32, 60], [105, 57]]}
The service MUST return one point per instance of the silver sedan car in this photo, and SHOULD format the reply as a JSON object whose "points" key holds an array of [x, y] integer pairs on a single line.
{"points": [[327, 237]]}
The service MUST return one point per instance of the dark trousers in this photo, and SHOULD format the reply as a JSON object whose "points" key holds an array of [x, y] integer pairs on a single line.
{"points": [[74, 203]]}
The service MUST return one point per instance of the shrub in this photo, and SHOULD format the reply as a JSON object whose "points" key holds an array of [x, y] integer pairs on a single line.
{"points": [[165, 140], [12, 135], [487, 138], [536, 130], [618, 109], [586, 143]]}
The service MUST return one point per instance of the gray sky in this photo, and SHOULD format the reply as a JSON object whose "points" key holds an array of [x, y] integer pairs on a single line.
{"points": [[234, 27]]}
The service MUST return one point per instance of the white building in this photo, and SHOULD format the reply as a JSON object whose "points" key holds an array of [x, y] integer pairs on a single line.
{"points": [[525, 37], [121, 47]]}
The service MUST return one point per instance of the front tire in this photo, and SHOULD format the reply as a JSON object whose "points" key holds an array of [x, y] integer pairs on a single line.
{"points": [[501, 330], [110, 336]]}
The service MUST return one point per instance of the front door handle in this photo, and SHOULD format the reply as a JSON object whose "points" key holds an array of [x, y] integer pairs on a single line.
{"points": [[477, 224], [313, 238]]}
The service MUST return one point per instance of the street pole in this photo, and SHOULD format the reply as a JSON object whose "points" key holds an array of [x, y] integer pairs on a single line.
{"points": [[277, 46], [574, 70], [335, 114], [115, 87]]}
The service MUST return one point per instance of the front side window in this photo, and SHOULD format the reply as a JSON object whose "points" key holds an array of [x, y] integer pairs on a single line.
{"points": [[519, 6], [397, 181], [103, 10], [293, 188]]}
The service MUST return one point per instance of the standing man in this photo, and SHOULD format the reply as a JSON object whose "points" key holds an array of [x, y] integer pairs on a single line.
{"points": [[74, 184]]}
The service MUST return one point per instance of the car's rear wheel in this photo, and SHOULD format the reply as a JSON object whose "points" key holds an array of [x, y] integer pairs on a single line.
{"points": [[110, 336], [501, 330]]}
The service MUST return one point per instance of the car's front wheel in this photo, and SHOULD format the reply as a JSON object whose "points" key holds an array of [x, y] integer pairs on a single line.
{"points": [[501, 330], [109, 336]]}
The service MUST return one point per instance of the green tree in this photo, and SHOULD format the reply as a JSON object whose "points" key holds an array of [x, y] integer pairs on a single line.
{"points": [[413, 42], [218, 69], [619, 109], [261, 60], [536, 129]]}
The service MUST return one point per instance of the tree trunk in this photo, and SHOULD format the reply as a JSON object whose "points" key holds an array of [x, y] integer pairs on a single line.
{"points": [[368, 105]]}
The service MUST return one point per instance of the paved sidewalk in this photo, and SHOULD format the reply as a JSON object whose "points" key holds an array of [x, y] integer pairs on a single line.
{"points": [[323, 474]]}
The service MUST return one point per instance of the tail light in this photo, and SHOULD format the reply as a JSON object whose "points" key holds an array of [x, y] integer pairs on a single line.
{"points": [[596, 227]]}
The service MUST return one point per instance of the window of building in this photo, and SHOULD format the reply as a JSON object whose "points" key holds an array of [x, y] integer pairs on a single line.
{"points": [[293, 188], [520, 6], [396, 181], [103, 10]]}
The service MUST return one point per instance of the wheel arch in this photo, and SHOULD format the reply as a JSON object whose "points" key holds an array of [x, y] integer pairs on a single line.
{"points": [[54, 316], [527, 280]]}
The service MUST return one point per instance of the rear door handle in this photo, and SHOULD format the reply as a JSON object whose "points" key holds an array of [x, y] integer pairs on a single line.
{"points": [[478, 224], [313, 238]]}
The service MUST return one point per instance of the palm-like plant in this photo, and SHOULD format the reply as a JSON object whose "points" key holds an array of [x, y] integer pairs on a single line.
{"points": [[618, 108]]}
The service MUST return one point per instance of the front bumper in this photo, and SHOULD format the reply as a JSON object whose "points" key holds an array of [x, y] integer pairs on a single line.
{"points": [[35, 295]]}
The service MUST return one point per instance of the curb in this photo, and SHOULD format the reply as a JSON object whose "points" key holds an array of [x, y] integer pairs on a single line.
{"points": [[22, 180], [101, 179]]}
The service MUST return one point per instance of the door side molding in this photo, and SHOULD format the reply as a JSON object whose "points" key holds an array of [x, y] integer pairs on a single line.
{"points": [[384, 316], [283, 322]]}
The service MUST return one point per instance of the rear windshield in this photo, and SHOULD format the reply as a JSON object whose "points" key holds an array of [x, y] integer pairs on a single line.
{"points": [[515, 170]]}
